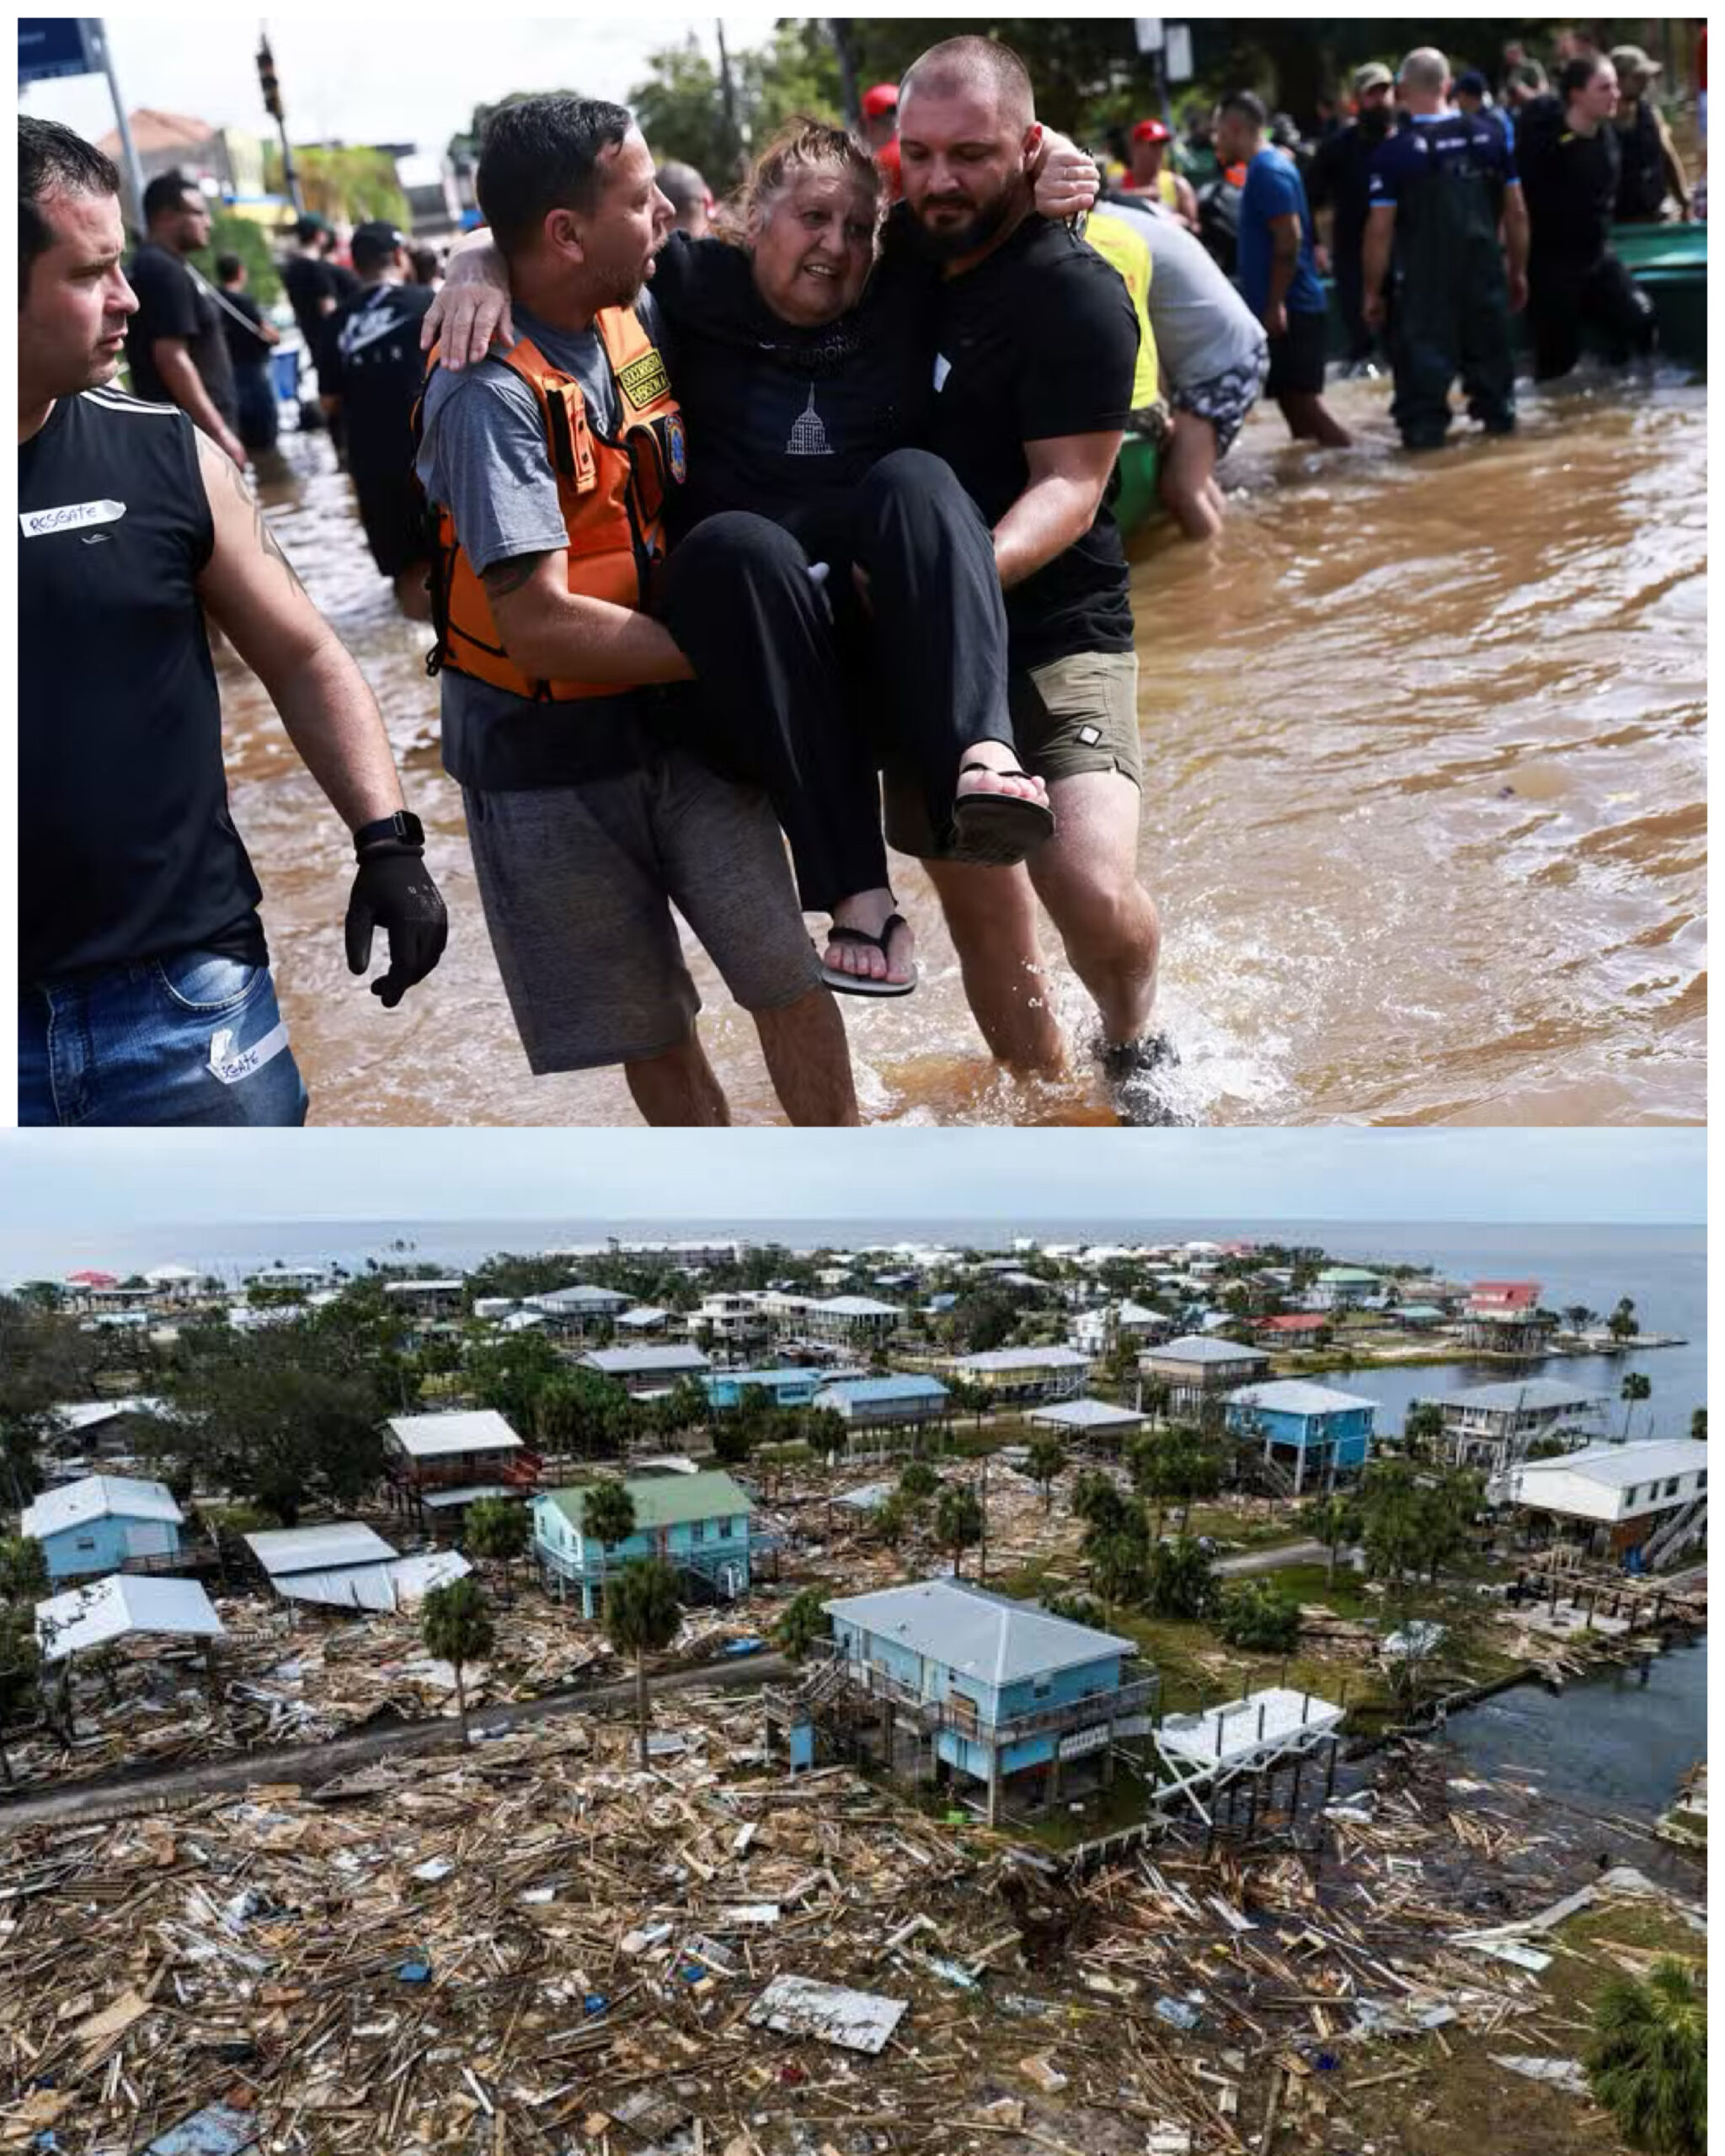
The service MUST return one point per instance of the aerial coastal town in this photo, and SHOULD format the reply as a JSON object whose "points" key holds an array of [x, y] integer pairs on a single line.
{"points": [[715, 1696]]}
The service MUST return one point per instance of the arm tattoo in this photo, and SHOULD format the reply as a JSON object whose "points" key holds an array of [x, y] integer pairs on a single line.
{"points": [[268, 543], [503, 578]]}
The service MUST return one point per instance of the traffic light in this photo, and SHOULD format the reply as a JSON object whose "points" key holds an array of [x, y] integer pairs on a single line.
{"points": [[266, 77]]}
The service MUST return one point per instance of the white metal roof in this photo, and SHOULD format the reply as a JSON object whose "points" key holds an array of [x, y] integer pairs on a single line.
{"points": [[1529, 1393], [1295, 1396], [469, 1493], [619, 1362], [400, 1582], [858, 1306], [1024, 1358], [108, 1609], [99, 1496], [423, 1287], [1194, 1347], [1086, 1415], [87, 1414], [1621, 1467], [982, 1634], [283, 1552], [474, 1429], [647, 1314]]}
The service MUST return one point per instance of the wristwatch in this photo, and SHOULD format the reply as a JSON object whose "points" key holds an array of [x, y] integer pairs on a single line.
{"points": [[403, 827]]}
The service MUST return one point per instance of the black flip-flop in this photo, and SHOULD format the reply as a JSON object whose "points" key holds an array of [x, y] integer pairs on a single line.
{"points": [[844, 983], [997, 830]]}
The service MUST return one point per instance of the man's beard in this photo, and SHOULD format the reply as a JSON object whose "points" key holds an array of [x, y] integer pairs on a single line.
{"points": [[951, 241], [1374, 123], [622, 288]]}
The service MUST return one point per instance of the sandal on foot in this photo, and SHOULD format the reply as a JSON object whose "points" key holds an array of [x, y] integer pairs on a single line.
{"points": [[844, 983], [997, 830]]}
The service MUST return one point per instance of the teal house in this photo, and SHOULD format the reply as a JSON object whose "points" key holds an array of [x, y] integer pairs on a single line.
{"points": [[699, 1523], [992, 1692], [789, 1387], [1314, 1432]]}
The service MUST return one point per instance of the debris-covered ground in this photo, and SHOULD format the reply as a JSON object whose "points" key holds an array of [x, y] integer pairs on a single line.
{"points": [[535, 1946]]}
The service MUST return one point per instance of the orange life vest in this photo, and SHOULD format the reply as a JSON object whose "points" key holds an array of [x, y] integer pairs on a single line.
{"points": [[610, 490]]}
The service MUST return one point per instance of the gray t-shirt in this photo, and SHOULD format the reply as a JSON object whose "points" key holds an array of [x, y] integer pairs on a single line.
{"points": [[1202, 326], [483, 456]]}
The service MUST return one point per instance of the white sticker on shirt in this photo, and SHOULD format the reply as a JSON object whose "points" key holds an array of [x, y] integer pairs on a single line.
{"points": [[942, 368], [36, 523], [230, 1065]]}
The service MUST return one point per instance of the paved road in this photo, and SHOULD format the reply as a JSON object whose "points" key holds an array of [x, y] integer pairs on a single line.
{"points": [[1269, 1561], [309, 1764]]}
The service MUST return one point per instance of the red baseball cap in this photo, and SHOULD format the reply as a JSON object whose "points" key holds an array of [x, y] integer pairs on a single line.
{"points": [[883, 97], [1150, 130]]}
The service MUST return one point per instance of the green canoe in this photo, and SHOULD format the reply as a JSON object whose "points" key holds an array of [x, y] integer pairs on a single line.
{"points": [[1670, 262]]}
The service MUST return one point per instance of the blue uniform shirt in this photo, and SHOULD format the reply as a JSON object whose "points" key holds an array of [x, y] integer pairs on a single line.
{"points": [[1441, 144], [1275, 188]]}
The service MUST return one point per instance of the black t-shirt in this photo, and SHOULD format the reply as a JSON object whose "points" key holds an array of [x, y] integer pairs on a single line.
{"points": [[1340, 178], [173, 301], [780, 417], [308, 281], [1039, 341], [371, 361], [1570, 181], [126, 848], [245, 349]]}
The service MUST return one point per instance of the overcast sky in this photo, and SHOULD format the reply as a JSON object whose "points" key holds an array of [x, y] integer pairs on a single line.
{"points": [[99, 1179], [372, 77]]}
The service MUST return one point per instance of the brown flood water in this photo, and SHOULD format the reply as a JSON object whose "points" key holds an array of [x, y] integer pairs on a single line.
{"points": [[1424, 807]]}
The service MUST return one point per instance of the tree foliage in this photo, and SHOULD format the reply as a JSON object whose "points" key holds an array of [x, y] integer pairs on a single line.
{"points": [[1180, 1579], [802, 1624], [456, 1626], [498, 1528], [1048, 1457], [1648, 2061], [1259, 1618], [957, 1523], [642, 1611]]}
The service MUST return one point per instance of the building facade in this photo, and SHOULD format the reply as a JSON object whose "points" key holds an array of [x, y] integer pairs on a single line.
{"points": [[105, 1523], [1196, 1369], [1489, 1428], [1011, 1375], [1315, 1434], [699, 1524], [997, 1694]]}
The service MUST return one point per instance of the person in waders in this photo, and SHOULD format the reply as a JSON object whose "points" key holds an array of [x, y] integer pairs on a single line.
{"points": [[1442, 187]]}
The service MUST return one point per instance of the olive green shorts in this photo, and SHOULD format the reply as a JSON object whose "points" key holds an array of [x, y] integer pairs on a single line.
{"points": [[1075, 714]]}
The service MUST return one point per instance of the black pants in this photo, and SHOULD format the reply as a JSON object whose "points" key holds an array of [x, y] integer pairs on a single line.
{"points": [[1562, 301], [259, 416], [801, 688], [1350, 297]]}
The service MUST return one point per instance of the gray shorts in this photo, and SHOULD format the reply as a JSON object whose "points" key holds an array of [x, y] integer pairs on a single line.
{"points": [[1225, 399], [577, 883]]}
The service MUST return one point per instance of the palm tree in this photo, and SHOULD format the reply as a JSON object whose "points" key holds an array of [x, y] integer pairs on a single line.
{"points": [[642, 1611], [1335, 1520], [1117, 1571], [1152, 1461], [1698, 1425], [801, 1623], [957, 1523], [456, 1628], [607, 1518], [1623, 1324], [1637, 1387], [918, 1480], [496, 1527], [1420, 1426], [1647, 2062], [892, 1518], [1048, 1456]]}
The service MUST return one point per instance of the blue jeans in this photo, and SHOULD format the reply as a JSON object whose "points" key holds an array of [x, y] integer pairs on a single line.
{"points": [[195, 1039]]}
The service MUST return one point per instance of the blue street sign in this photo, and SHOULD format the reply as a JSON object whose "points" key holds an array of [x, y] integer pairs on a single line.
{"points": [[58, 44]]}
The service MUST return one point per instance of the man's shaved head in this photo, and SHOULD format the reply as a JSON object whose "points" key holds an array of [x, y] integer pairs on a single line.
{"points": [[1426, 70], [973, 67]]}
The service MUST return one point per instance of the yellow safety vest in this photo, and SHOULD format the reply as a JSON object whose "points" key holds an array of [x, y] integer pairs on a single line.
{"points": [[1125, 249]]}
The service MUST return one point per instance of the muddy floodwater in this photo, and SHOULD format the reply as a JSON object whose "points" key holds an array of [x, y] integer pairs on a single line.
{"points": [[1423, 807]]}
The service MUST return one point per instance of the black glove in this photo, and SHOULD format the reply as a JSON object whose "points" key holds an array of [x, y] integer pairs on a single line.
{"points": [[394, 889]]}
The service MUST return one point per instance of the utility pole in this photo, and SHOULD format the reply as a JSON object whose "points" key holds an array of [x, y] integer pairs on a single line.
{"points": [[272, 105], [839, 30], [728, 97]]}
